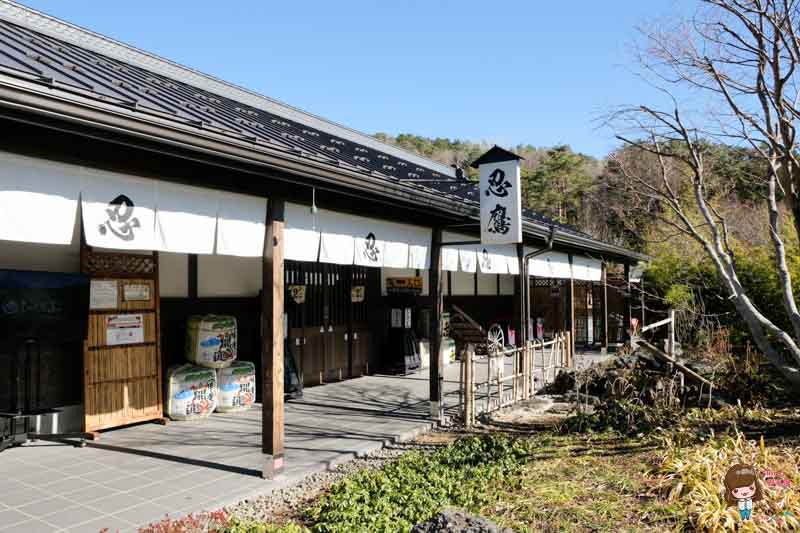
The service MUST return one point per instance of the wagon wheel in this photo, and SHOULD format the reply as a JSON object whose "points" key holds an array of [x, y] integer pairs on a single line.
{"points": [[495, 341]]}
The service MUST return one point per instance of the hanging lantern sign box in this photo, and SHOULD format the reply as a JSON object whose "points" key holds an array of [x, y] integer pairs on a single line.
{"points": [[501, 204]]}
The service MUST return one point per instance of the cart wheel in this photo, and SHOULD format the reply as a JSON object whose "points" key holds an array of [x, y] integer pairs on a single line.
{"points": [[495, 341]]}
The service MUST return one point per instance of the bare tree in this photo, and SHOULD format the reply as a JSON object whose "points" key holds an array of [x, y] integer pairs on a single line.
{"points": [[740, 59]]}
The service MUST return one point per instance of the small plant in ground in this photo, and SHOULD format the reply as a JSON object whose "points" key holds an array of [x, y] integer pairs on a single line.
{"points": [[194, 523], [216, 522], [418, 485]]}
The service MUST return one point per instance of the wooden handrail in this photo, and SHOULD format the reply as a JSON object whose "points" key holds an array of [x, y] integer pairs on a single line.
{"points": [[656, 324]]}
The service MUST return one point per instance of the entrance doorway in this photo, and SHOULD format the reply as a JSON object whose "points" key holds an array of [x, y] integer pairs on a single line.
{"points": [[327, 319]]}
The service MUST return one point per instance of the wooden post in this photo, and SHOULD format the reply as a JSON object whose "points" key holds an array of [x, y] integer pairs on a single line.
{"points": [[522, 336], [469, 386], [568, 349], [641, 300], [671, 330], [605, 307], [437, 363], [626, 320], [272, 342], [571, 310]]}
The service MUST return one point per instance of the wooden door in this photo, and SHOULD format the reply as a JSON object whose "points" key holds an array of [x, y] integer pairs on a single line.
{"points": [[328, 330], [121, 358]]}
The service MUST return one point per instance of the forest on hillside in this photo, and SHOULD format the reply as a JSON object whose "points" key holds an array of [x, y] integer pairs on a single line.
{"points": [[608, 199]]}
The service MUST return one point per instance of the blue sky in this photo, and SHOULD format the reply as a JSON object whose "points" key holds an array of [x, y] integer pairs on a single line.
{"points": [[535, 71]]}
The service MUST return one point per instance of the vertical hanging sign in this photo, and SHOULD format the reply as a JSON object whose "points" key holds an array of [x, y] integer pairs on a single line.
{"points": [[501, 206]]}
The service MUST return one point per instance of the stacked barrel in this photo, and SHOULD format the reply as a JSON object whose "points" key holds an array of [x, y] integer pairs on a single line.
{"points": [[212, 379]]}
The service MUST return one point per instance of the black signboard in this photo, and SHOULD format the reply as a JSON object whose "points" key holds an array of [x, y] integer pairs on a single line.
{"points": [[43, 305]]}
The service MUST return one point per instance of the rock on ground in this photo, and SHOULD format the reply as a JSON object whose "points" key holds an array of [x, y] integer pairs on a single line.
{"points": [[457, 521]]}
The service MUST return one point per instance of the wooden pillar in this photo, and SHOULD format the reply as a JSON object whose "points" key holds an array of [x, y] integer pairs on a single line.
{"points": [[605, 307], [641, 299], [626, 308], [522, 336], [192, 280], [272, 342], [571, 309], [469, 386], [523, 297], [437, 304]]}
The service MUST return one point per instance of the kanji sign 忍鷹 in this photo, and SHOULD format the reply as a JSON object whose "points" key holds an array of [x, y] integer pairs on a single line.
{"points": [[500, 202]]}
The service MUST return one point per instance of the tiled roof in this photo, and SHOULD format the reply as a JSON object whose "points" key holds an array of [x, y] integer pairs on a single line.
{"points": [[37, 47]]}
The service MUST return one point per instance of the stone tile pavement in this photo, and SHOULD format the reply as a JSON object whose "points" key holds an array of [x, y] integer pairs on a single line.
{"points": [[136, 475]]}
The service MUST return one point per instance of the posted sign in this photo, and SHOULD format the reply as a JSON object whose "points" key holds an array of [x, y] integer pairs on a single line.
{"points": [[501, 206]]}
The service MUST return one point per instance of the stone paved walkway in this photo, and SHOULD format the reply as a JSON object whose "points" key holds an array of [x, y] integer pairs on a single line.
{"points": [[136, 475]]}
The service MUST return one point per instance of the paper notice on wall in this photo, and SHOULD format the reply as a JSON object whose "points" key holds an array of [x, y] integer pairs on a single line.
{"points": [[136, 293], [124, 329], [103, 294]]}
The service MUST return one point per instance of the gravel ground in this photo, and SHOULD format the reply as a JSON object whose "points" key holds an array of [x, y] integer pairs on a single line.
{"points": [[289, 503]]}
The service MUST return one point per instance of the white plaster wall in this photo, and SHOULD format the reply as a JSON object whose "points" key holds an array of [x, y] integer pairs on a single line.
{"points": [[173, 275], [224, 275], [463, 284], [487, 284], [507, 284], [42, 257]]}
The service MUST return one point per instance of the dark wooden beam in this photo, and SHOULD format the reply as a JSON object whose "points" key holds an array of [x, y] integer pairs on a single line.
{"points": [[437, 305], [522, 334], [571, 308], [626, 309], [193, 279], [605, 306], [272, 342]]}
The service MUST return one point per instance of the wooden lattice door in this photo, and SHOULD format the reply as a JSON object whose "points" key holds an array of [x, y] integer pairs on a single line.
{"points": [[122, 357]]}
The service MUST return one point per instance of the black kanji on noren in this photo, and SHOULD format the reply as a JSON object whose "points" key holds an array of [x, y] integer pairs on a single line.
{"points": [[371, 251], [498, 185], [121, 221], [499, 221]]}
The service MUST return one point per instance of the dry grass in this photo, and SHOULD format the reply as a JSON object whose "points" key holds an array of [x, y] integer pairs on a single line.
{"points": [[692, 478], [584, 484]]}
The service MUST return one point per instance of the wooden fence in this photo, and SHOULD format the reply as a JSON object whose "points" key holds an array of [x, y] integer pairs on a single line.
{"points": [[508, 376]]}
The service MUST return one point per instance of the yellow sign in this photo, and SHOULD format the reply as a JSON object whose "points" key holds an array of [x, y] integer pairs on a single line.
{"points": [[414, 282], [357, 294], [297, 293]]}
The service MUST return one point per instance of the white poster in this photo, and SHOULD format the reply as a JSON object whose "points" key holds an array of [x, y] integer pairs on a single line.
{"points": [[124, 329], [103, 294], [186, 218], [118, 210], [38, 200], [501, 208]]}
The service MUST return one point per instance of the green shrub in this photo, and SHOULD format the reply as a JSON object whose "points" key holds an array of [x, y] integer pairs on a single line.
{"points": [[418, 485]]}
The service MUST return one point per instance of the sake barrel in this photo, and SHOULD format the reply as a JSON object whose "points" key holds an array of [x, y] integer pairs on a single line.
{"points": [[191, 392], [237, 387], [211, 340]]}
